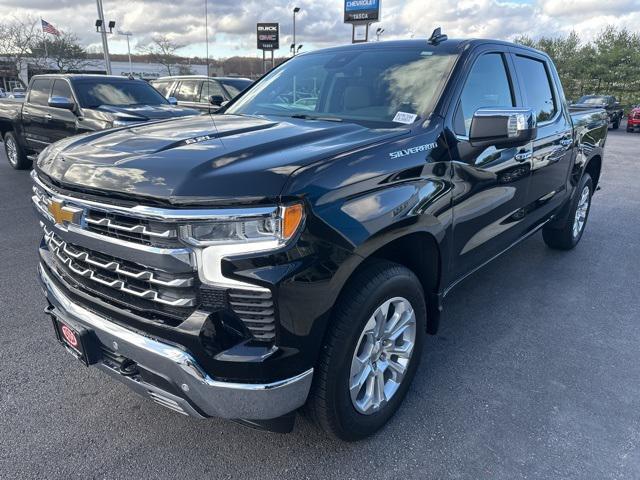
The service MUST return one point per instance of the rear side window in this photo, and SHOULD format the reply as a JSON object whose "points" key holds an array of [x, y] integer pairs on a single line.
{"points": [[39, 92], [538, 93], [61, 89], [487, 86], [162, 87], [188, 91], [211, 88]]}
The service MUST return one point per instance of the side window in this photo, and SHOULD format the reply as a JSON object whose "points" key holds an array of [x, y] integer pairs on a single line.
{"points": [[538, 93], [188, 91], [39, 92], [487, 86], [162, 87], [211, 88], [61, 89]]}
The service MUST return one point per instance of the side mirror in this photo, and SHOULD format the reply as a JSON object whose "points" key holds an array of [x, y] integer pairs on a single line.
{"points": [[62, 102], [172, 100], [502, 127], [216, 100]]}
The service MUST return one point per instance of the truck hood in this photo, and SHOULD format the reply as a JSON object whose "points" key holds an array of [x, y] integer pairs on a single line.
{"points": [[145, 113], [207, 159]]}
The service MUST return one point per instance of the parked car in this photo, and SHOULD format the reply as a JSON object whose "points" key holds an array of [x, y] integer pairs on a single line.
{"points": [[202, 92], [3, 94], [633, 119], [243, 264], [60, 106], [17, 92], [608, 102]]}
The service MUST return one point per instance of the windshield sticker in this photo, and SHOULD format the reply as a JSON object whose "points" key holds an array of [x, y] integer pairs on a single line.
{"points": [[412, 150], [406, 118]]}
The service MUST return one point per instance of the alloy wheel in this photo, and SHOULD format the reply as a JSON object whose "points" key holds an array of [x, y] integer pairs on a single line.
{"points": [[382, 355], [12, 151], [581, 211]]}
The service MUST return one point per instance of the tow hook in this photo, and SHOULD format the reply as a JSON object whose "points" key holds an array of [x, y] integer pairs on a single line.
{"points": [[128, 368]]}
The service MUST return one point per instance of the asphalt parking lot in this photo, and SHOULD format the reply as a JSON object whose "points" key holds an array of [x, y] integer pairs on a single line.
{"points": [[535, 374]]}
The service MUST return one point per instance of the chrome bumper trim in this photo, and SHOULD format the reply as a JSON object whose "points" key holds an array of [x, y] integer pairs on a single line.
{"points": [[213, 397]]}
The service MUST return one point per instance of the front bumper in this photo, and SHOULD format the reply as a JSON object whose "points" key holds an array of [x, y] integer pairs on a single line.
{"points": [[199, 394]]}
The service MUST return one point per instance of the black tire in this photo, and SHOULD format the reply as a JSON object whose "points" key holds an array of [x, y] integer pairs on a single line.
{"points": [[616, 124], [566, 237], [15, 155], [629, 130], [330, 402]]}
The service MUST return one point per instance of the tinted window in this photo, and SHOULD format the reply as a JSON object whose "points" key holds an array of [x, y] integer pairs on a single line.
{"points": [[162, 87], [538, 93], [188, 91], [39, 93], [210, 88], [94, 93], [371, 86], [235, 86], [61, 89], [487, 86]]}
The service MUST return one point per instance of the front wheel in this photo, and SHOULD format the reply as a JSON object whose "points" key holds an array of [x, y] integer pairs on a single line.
{"points": [[371, 353], [15, 155], [569, 234]]}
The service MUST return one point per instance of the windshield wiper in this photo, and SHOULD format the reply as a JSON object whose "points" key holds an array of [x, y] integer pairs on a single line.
{"points": [[304, 116]]}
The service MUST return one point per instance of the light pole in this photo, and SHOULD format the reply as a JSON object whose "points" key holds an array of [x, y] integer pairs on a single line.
{"points": [[295, 10], [206, 31], [128, 34], [100, 25], [379, 33]]}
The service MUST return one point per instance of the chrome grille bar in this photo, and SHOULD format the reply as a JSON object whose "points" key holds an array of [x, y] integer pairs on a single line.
{"points": [[70, 259]]}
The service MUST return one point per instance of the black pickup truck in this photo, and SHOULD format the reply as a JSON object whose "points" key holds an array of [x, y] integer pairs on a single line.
{"points": [[58, 106], [294, 249], [615, 112]]}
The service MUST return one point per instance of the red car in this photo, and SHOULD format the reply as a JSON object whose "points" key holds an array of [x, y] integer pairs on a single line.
{"points": [[633, 120]]}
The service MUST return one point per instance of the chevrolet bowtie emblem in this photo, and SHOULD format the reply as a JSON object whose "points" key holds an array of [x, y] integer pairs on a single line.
{"points": [[62, 213]]}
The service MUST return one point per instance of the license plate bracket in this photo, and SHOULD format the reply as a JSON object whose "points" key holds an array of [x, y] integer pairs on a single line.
{"points": [[79, 341]]}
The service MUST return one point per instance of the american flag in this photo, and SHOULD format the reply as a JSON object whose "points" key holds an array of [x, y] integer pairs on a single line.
{"points": [[48, 28]]}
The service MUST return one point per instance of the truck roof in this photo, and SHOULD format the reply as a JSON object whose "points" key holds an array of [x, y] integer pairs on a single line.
{"points": [[82, 76], [447, 46]]}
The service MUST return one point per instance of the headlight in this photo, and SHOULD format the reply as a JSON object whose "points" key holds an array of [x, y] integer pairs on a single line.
{"points": [[254, 232], [261, 231]]}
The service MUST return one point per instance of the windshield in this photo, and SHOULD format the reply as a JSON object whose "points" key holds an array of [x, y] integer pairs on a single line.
{"points": [[378, 87], [593, 100], [94, 93], [235, 85]]}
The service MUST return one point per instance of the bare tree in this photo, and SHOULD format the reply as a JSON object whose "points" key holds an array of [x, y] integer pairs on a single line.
{"points": [[162, 50], [63, 51], [18, 37]]}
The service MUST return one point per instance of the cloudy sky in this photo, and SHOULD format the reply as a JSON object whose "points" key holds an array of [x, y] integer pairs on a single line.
{"points": [[232, 22]]}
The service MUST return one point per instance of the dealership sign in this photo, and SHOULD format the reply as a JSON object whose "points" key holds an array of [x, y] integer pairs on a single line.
{"points": [[364, 11], [268, 36]]}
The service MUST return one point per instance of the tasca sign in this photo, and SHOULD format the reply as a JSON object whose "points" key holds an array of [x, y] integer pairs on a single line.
{"points": [[365, 11], [268, 36]]}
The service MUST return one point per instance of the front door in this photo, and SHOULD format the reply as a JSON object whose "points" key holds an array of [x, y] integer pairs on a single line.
{"points": [[62, 122], [490, 184]]}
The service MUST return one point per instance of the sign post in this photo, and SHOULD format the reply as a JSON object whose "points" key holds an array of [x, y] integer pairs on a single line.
{"points": [[361, 14], [268, 41]]}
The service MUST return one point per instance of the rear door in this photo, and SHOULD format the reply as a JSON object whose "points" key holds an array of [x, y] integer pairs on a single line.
{"points": [[490, 184], [553, 147], [187, 93], [35, 114]]}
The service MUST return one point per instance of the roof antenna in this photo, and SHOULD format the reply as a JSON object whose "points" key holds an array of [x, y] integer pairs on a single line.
{"points": [[437, 37]]}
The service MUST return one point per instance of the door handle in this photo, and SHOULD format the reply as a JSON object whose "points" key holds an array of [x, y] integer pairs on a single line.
{"points": [[566, 142], [48, 116], [522, 156]]}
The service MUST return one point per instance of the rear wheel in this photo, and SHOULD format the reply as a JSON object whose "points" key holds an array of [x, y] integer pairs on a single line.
{"points": [[371, 353], [569, 234], [16, 157], [616, 124]]}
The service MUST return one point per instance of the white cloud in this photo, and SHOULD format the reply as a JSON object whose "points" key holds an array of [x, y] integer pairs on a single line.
{"points": [[232, 23]]}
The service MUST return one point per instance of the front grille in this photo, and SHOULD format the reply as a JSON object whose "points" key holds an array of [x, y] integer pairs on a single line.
{"points": [[113, 225], [121, 280], [255, 308]]}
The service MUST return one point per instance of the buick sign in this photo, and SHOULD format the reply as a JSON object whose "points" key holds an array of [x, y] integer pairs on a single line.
{"points": [[268, 36], [361, 11]]}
